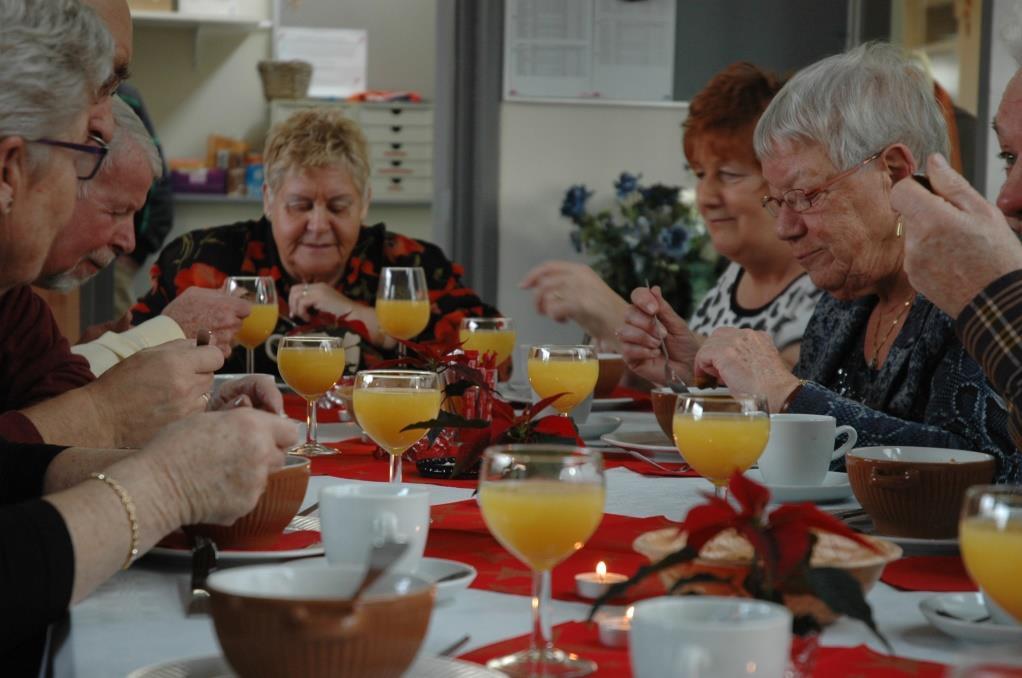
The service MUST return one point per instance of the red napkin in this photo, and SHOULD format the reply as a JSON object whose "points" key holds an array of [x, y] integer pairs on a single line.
{"points": [[830, 662], [294, 407], [640, 399], [928, 573], [288, 541]]}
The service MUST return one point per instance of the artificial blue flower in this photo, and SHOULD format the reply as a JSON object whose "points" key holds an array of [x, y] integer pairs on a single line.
{"points": [[659, 195], [574, 205], [626, 184], [642, 223], [674, 241]]}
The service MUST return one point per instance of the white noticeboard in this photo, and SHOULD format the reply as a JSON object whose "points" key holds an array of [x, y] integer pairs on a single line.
{"points": [[589, 49], [337, 55]]}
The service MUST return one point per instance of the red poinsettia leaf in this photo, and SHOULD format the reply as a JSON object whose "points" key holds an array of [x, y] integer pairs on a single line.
{"points": [[706, 521], [536, 408], [502, 410], [558, 427], [749, 494], [791, 544], [812, 517]]}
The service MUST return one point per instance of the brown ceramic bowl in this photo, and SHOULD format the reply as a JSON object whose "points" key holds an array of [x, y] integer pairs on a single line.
{"points": [[279, 621], [727, 556], [664, 401], [263, 525], [612, 368], [915, 491]]}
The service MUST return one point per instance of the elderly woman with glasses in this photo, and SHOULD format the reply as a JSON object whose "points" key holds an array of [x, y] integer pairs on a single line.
{"points": [[875, 355]]}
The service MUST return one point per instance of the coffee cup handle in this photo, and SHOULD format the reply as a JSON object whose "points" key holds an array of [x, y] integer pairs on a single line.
{"points": [[271, 345], [849, 443]]}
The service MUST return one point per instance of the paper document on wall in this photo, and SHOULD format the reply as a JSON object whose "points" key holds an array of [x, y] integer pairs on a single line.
{"points": [[338, 57]]}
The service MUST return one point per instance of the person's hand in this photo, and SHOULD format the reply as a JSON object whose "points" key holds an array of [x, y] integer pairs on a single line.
{"points": [[150, 389], [956, 243], [304, 298], [564, 291], [641, 332], [202, 308], [216, 463], [93, 332], [746, 361], [254, 390]]}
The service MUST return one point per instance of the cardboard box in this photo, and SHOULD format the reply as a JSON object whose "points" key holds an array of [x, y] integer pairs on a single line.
{"points": [[151, 5]]}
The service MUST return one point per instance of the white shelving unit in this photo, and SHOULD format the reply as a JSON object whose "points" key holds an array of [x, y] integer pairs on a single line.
{"points": [[196, 21]]}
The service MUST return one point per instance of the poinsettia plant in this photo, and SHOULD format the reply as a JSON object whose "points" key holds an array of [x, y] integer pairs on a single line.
{"points": [[782, 542]]}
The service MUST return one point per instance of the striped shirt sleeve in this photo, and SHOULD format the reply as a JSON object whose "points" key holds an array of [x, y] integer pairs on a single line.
{"points": [[990, 329]]}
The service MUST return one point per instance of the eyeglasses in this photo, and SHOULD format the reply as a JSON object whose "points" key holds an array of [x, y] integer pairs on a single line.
{"points": [[86, 165], [799, 201]]}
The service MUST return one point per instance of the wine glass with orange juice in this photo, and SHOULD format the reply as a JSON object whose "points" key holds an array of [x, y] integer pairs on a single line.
{"points": [[542, 503], [720, 435], [402, 303], [488, 335], [387, 402], [261, 291], [990, 537], [569, 370], [310, 365]]}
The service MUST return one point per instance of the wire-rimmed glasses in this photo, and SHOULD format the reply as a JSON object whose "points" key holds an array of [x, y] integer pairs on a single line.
{"points": [[90, 158], [798, 200]]}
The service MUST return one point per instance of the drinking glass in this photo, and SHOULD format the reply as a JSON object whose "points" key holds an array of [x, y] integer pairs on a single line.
{"points": [[402, 303], [310, 365], [720, 435], [262, 292], [521, 489], [388, 401], [990, 536], [488, 335], [571, 370]]}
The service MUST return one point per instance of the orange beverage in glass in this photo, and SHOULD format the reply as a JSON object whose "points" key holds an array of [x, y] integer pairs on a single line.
{"points": [[402, 318], [571, 370], [258, 325]]}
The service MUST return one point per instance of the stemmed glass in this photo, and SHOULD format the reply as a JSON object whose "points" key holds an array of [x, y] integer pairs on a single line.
{"points": [[386, 402], [262, 292], [402, 303], [718, 435], [542, 503], [990, 535], [310, 365], [488, 335], [571, 370]]}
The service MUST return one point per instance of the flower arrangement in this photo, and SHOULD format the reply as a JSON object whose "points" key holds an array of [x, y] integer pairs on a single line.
{"points": [[654, 235]]}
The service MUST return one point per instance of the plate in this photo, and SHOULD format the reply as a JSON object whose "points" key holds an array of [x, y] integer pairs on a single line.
{"points": [[912, 545], [227, 555], [216, 667], [610, 403], [835, 487], [652, 440], [430, 569], [597, 425], [965, 606]]}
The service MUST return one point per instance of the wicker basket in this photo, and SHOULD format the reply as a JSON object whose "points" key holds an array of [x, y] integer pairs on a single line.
{"points": [[285, 79]]}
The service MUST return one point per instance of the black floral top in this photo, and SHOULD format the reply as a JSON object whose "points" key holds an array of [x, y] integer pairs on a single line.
{"points": [[929, 391], [205, 258]]}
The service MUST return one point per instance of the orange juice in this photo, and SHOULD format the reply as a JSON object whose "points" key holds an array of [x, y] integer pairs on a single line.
{"points": [[402, 318], [383, 412], [310, 371], [541, 522], [500, 342], [258, 325], [993, 556], [717, 444], [575, 378]]}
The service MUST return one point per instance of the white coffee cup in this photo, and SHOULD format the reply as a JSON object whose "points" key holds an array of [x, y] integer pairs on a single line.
{"points": [[708, 637], [356, 516], [801, 447]]}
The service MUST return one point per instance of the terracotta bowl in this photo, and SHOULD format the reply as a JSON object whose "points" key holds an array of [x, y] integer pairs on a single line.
{"points": [[915, 491], [612, 368], [664, 401], [727, 556], [263, 525], [277, 621]]}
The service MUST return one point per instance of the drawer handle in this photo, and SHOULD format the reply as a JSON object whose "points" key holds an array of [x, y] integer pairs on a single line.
{"points": [[395, 128], [395, 180], [395, 111], [396, 147], [395, 163]]}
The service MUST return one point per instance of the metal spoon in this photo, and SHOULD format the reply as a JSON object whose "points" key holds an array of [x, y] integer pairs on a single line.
{"points": [[381, 557], [675, 383]]}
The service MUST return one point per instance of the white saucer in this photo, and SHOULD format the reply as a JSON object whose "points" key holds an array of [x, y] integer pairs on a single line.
{"points": [[597, 425], [835, 487], [651, 440], [962, 607], [228, 556], [216, 667], [430, 569], [610, 403]]}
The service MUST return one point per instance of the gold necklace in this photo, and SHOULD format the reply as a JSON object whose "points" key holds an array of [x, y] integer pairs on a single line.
{"points": [[877, 347]]}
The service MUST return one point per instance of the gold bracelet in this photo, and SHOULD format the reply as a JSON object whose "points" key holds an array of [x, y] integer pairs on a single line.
{"points": [[129, 508]]}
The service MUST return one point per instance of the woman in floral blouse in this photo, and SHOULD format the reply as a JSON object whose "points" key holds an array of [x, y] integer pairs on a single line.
{"points": [[311, 240]]}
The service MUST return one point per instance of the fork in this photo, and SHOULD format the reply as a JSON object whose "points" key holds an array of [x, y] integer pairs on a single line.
{"points": [[203, 562], [649, 461], [304, 520], [673, 381]]}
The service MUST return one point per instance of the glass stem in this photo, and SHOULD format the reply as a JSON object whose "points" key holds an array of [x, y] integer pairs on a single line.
{"points": [[250, 360], [402, 350], [720, 491], [395, 468], [541, 641], [310, 421]]}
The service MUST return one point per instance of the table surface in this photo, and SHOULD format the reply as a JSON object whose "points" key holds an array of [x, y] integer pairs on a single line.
{"points": [[137, 618]]}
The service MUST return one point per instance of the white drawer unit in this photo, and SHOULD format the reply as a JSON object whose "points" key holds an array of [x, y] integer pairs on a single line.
{"points": [[399, 150], [402, 189]]}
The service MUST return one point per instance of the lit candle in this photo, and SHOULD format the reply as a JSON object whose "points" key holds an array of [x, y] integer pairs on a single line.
{"points": [[592, 585], [614, 630]]}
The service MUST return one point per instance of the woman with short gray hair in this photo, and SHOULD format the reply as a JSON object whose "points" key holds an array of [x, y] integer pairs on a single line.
{"points": [[875, 355]]}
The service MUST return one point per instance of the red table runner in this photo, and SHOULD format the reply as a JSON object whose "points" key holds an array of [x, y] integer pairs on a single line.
{"points": [[945, 574]]}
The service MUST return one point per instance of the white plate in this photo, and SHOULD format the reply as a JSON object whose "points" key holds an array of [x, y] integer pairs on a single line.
{"points": [[216, 667], [610, 403], [835, 487], [965, 606], [652, 440], [227, 555], [430, 569], [597, 425]]}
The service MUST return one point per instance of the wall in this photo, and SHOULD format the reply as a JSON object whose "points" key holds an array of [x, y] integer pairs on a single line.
{"points": [[544, 149], [1002, 67]]}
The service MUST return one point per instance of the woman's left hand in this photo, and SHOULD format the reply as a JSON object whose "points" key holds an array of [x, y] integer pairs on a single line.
{"points": [[746, 361], [255, 390], [306, 297]]}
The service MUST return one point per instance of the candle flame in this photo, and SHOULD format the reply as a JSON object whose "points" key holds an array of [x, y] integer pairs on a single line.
{"points": [[601, 570], [629, 612]]}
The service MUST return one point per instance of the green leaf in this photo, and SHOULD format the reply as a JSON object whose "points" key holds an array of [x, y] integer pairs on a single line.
{"points": [[842, 593]]}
